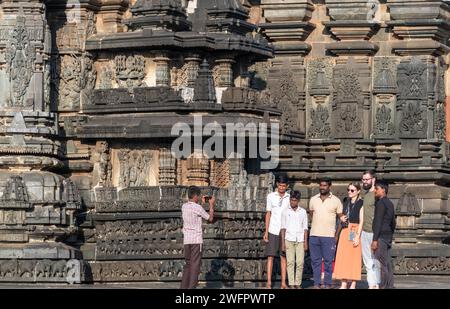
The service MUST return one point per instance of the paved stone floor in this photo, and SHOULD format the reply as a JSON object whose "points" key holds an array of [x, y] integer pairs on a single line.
{"points": [[401, 282]]}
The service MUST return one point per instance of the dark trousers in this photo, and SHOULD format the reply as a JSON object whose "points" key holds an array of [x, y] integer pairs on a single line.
{"points": [[383, 256], [193, 257], [322, 248]]}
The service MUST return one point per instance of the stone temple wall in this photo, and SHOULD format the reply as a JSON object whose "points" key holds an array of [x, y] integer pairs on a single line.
{"points": [[91, 89]]}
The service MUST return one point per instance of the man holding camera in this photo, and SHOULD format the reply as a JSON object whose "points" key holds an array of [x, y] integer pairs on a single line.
{"points": [[193, 214]]}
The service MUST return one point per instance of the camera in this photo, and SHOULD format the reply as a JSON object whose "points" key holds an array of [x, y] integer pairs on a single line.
{"points": [[207, 198]]}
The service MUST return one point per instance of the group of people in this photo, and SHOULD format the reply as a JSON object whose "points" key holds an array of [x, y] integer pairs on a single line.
{"points": [[361, 227]]}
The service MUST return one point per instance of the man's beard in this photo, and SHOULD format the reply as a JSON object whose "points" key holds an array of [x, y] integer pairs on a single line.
{"points": [[367, 186]]}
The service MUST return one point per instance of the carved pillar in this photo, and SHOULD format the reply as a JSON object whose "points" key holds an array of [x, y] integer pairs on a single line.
{"points": [[167, 168], [162, 70], [193, 66], [111, 14], [225, 71], [198, 170]]}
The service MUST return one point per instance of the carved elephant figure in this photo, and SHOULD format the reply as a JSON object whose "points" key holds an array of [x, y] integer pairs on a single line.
{"points": [[26, 267], [59, 269], [8, 268], [44, 268]]}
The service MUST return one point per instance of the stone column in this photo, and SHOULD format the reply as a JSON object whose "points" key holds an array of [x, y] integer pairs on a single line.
{"points": [[193, 61], [198, 170], [225, 78], [162, 70]]}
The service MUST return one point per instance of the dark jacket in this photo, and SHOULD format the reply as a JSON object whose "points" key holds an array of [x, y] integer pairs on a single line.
{"points": [[384, 220]]}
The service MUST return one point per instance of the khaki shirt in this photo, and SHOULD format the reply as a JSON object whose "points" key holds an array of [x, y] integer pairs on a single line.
{"points": [[324, 215], [369, 211]]}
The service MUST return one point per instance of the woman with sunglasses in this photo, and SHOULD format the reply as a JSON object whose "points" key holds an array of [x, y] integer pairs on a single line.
{"points": [[348, 257]]}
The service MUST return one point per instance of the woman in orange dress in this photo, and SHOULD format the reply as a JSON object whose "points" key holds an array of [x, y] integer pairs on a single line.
{"points": [[348, 256]]}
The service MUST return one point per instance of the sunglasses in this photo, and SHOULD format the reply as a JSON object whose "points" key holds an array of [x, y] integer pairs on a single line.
{"points": [[351, 190]]}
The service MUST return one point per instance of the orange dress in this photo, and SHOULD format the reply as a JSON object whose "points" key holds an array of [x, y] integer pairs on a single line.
{"points": [[348, 258]]}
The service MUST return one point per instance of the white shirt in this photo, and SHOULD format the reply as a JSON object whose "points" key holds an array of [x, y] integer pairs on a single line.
{"points": [[295, 222], [276, 204]]}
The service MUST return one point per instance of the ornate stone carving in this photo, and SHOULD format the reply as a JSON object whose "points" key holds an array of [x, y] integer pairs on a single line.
{"points": [[415, 265], [440, 121], [384, 124], [224, 73], [74, 73], [320, 72], [287, 97], [162, 71], [320, 125], [103, 165], [130, 70], [15, 195], [105, 78], [204, 90], [349, 121], [167, 168], [68, 271], [198, 170], [347, 85], [20, 57], [412, 79], [220, 173], [385, 72], [134, 168], [414, 122], [71, 195], [346, 102]]}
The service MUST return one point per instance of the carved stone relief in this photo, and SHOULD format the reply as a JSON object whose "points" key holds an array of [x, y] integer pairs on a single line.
{"points": [[347, 102], [20, 56], [134, 167], [130, 70]]}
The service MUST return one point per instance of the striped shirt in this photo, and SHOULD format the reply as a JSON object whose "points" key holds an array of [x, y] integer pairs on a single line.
{"points": [[192, 223]]}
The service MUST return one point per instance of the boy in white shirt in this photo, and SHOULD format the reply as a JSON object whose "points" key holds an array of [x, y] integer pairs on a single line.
{"points": [[294, 236]]}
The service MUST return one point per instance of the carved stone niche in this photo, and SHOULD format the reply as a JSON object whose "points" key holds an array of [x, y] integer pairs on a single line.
{"points": [[135, 167], [347, 103], [384, 116], [129, 70], [414, 79], [385, 90]]}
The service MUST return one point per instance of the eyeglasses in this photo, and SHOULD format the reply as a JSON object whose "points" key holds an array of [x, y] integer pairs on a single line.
{"points": [[351, 190]]}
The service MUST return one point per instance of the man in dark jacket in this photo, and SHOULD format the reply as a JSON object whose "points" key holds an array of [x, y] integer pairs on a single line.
{"points": [[383, 231]]}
